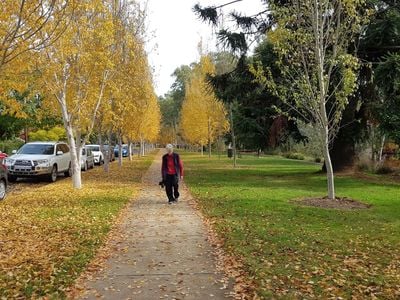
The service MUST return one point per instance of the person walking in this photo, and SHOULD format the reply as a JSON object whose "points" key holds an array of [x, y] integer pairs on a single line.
{"points": [[172, 172]]}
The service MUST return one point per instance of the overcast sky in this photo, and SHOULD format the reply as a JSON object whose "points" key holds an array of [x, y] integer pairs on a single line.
{"points": [[178, 32]]}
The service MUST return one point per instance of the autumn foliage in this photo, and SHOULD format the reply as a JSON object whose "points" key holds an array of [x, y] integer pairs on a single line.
{"points": [[203, 116], [88, 59]]}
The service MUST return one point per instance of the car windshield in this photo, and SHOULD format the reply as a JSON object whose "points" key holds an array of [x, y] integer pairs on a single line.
{"points": [[39, 149], [94, 148]]}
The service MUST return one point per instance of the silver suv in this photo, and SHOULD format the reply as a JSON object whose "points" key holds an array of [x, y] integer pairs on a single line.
{"points": [[47, 159]]}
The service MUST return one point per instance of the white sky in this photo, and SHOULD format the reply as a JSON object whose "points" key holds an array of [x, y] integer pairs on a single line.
{"points": [[178, 32]]}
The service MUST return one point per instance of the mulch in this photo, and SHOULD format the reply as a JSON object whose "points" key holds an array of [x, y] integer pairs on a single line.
{"points": [[338, 203]]}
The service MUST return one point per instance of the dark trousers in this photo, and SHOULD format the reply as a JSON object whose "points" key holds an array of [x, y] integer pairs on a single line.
{"points": [[172, 187]]}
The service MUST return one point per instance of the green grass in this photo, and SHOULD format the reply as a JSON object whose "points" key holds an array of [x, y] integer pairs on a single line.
{"points": [[50, 232], [301, 252]]}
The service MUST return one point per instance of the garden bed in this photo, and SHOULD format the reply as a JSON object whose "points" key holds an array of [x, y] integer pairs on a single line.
{"points": [[338, 203]]}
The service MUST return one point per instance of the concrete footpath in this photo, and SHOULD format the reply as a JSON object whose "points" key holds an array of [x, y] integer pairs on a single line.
{"points": [[164, 255]]}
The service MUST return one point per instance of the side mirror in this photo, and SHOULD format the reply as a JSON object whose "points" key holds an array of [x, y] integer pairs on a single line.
{"points": [[14, 152], [60, 153]]}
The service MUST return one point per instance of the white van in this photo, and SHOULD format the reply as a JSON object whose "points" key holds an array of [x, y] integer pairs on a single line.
{"points": [[39, 159]]}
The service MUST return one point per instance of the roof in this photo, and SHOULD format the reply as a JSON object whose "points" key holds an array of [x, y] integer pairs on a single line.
{"points": [[46, 143]]}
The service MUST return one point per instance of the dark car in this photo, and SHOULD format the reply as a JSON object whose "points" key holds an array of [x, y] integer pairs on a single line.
{"points": [[125, 151], [3, 177]]}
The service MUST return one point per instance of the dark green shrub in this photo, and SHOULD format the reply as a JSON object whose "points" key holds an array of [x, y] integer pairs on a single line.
{"points": [[297, 156], [382, 170]]}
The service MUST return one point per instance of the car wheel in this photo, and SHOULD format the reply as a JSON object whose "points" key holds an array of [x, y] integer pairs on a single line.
{"points": [[3, 189], [12, 178], [54, 174], [101, 161], [68, 173]]}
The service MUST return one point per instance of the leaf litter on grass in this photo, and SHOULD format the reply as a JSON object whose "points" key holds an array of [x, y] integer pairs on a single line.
{"points": [[299, 252], [50, 232]]}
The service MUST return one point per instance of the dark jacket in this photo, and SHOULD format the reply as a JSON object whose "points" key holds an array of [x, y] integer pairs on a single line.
{"points": [[177, 163]]}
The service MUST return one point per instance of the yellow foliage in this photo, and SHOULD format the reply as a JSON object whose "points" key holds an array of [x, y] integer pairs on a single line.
{"points": [[78, 64], [204, 117], [22, 28], [167, 135]]}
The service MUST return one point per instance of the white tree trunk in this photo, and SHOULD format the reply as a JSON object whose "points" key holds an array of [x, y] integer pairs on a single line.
{"points": [[142, 145], [381, 148], [329, 170], [130, 150], [75, 156], [75, 150], [76, 163], [322, 118], [106, 165]]}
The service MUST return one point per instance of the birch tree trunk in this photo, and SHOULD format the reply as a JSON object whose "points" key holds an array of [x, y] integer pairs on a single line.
{"points": [[74, 149], [329, 167], [75, 162], [130, 150], [141, 150], [323, 120], [381, 148]]}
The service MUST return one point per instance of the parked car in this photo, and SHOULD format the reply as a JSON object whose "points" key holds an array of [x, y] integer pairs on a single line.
{"points": [[87, 159], [98, 155], [39, 159], [125, 150], [3, 182], [107, 148], [3, 156]]}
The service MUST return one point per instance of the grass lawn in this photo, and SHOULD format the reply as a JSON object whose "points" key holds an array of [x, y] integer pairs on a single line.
{"points": [[301, 252], [49, 232]]}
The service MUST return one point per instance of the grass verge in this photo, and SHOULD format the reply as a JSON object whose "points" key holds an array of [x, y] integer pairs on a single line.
{"points": [[296, 252], [49, 232]]}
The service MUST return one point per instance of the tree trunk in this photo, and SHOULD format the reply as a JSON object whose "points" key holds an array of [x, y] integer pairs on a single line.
{"points": [[233, 135], [26, 135], [75, 156], [106, 165], [381, 148], [141, 150], [323, 120], [76, 166], [120, 150], [329, 174], [130, 150], [201, 150]]}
